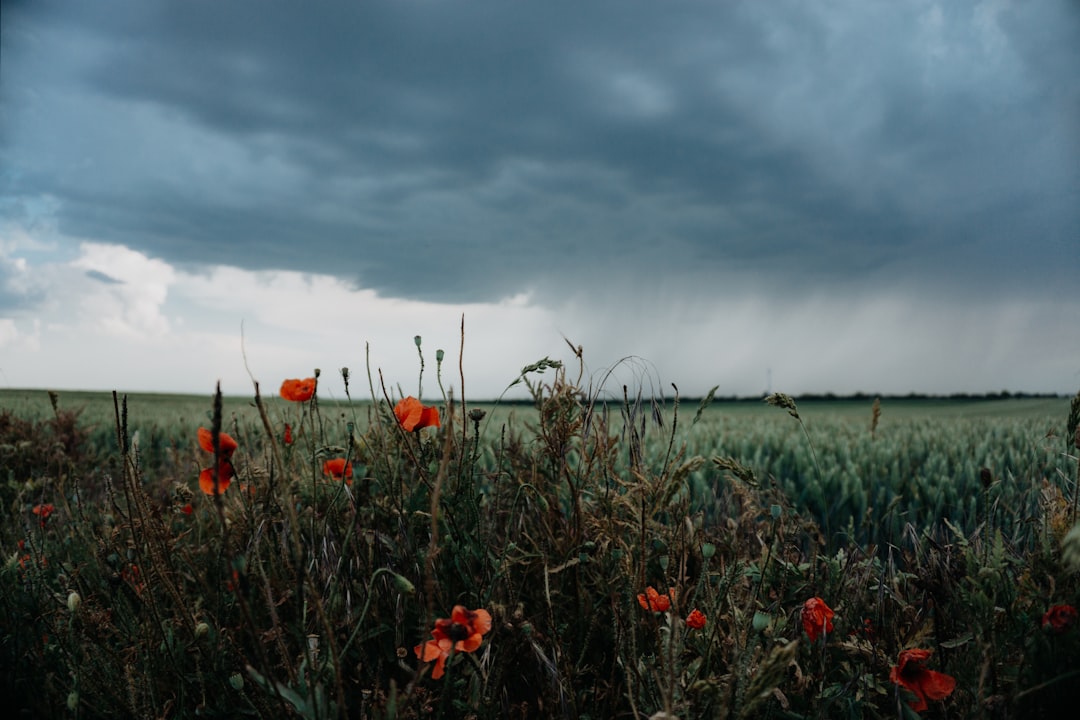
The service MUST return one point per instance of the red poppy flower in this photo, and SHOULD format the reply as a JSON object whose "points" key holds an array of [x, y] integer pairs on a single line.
{"points": [[696, 619], [187, 509], [654, 601], [912, 674], [298, 390], [43, 511], [226, 445], [463, 631], [1058, 618], [414, 415], [288, 434], [225, 475], [816, 618], [338, 469]]}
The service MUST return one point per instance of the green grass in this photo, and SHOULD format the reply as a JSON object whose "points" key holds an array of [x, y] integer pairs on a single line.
{"points": [[295, 595]]}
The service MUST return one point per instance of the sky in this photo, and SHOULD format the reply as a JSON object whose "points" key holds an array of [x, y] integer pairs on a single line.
{"points": [[838, 196]]}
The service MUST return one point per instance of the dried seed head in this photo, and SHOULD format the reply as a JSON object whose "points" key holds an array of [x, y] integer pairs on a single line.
{"points": [[986, 478], [783, 400]]}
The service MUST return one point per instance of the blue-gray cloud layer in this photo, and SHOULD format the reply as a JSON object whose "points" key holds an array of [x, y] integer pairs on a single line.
{"points": [[456, 151]]}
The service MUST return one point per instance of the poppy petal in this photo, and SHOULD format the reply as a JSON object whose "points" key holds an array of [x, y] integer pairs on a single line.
{"points": [[469, 644], [440, 668], [295, 390], [936, 685], [429, 417], [408, 412], [226, 444], [224, 478]]}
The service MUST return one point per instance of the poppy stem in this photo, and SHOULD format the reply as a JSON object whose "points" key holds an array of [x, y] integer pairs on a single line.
{"points": [[420, 386], [363, 613]]}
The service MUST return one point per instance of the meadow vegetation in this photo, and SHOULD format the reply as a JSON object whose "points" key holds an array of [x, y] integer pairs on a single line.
{"points": [[600, 552]]}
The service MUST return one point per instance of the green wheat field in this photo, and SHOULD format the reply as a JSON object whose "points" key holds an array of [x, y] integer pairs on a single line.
{"points": [[593, 552]]}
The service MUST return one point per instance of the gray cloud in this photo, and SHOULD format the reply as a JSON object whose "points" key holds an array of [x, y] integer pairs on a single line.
{"points": [[103, 277], [455, 151]]}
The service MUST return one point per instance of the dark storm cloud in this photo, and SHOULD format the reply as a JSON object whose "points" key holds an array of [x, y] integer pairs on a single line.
{"points": [[471, 150]]}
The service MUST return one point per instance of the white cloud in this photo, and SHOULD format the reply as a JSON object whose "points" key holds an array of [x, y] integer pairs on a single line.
{"points": [[294, 322], [8, 332], [159, 328], [130, 304], [137, 323]]}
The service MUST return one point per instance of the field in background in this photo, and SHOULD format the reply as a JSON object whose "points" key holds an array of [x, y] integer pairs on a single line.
{"points": [[922, 462]]}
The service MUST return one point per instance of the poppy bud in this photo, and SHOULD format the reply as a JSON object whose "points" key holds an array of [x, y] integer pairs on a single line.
{"points": [[74, 601], [986, 478], [201, 629], [73, 700], [403, 586]]}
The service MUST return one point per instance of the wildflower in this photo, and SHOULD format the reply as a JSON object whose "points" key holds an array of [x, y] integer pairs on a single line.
{"points": [[288, 434], [298, 390], [338, 469], [463, 631], [816, 618], [1059, 618], [226, 445], [187, 509], [913, 675], [437, 650], [224, 478], [43, 512], [696, 619], [654, 601], [414, 415]]}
